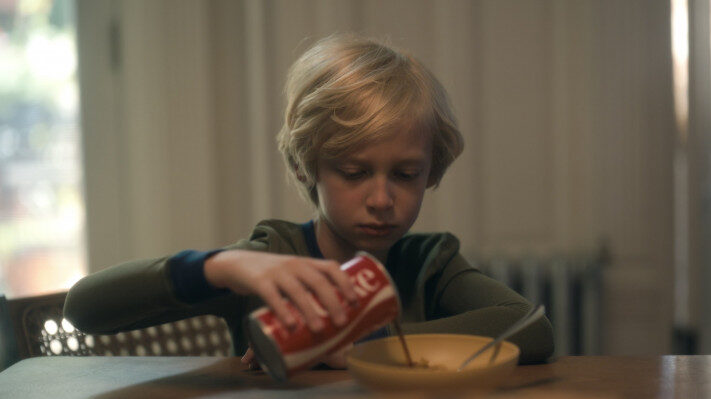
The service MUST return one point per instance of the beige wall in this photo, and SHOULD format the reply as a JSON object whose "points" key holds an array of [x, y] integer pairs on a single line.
{"points": [[566, 108]]}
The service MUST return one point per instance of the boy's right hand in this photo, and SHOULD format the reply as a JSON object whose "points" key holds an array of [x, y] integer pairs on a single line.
{"points": [[276, 277]]}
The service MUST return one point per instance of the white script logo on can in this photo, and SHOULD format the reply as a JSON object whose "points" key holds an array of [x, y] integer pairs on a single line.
{"points": [[281, 352]]}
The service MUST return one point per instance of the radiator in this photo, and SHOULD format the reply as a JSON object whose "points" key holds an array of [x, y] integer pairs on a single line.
{"points": [[570, 287]]}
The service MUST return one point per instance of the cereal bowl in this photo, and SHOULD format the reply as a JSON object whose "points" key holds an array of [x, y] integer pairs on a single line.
{"points": [[381, 364]]}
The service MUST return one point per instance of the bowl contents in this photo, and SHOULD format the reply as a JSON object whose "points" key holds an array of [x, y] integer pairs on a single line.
{"points": [[425, 364]]}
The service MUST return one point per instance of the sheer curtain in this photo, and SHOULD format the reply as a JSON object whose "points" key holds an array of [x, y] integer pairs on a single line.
{"points": [[566, 109]]}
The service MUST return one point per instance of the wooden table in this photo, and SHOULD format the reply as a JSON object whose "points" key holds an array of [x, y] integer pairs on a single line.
{"points": [[192, 377]]}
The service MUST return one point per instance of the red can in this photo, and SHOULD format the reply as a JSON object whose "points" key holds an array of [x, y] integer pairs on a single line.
{"points": [[281, 352]]}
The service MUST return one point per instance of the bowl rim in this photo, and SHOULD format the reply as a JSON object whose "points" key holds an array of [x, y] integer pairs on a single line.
{"points": [[500, 360]]}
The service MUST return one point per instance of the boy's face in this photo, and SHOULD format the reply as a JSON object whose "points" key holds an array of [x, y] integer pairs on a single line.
{"points": [[370, 198]]}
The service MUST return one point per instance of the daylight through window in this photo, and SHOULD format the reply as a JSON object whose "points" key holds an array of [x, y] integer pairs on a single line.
{"points": [[42, 245]]}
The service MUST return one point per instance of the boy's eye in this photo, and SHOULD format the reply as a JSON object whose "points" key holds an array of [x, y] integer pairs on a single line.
{"points": [[352, 174], [407, 175]]}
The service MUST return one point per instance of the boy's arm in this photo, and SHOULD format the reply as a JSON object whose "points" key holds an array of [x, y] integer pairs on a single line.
{"points": [[469, 302], [148, 292], [133, 295], [154, 291]]}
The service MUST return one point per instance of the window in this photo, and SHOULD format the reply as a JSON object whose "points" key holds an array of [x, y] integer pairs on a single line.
{"points": [[42, 245]]}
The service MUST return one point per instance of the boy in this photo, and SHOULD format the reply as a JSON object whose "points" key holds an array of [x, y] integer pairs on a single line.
{"points": [[367, 129]]}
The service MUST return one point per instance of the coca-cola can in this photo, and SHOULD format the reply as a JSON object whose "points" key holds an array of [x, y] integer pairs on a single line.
{"points": [[281, 351]]}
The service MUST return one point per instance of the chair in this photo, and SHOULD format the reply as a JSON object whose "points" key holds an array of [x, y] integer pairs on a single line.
{"points": [[35, 326]]}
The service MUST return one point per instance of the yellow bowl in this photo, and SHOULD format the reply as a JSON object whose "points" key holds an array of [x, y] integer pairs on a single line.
{"points": [[380, 364]]}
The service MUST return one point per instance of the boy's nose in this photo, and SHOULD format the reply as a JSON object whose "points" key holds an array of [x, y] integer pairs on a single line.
{"points": [[380, 196]]}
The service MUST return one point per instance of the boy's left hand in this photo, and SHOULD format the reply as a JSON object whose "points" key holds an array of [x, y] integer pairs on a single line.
{"points": [[250, 360]]}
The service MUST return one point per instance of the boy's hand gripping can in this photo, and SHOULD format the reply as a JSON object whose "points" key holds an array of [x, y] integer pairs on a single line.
{"points": [[281, 352]]}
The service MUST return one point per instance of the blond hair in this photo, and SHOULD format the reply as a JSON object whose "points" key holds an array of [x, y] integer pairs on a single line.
{"points": [[347, 91]]}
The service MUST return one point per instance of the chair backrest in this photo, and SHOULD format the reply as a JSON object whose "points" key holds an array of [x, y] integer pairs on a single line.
{"points": [[40, 329]]}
